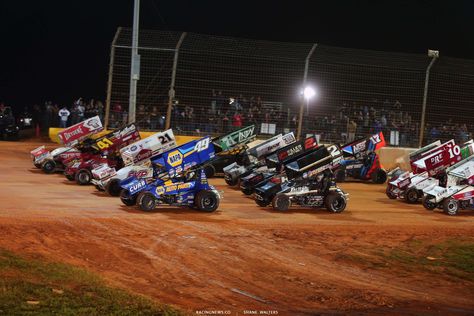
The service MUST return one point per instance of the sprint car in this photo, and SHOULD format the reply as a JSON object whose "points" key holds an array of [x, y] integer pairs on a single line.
{"points": [[458, 193], [254, 158], [76, 140], [229, 149], [107, 149], [137, 159], [276, 163], [169, 169], [310, 183], [429, 169], [361, 161]]}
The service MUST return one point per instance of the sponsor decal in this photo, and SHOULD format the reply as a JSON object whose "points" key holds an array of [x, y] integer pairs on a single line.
{"points": [[137, 186], [175, 158]]}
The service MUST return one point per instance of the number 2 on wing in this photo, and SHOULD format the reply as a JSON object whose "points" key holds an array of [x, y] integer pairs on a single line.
{"points": [[454, 151]]}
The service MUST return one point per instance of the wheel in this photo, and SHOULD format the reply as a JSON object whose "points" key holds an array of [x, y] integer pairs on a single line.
{"points": [[389, 193], [69, 177], [206, 201], [113, 187], [246, 191], [37, 165], [379, 176], [451, 206], [231, 180], [335, 202], [411, 195], [83, 177], [340, 175], [281, 202], [427, 203], [209, 170], [128, 199], [263, 203], [146, 201], [48, 166], [98, 188]]}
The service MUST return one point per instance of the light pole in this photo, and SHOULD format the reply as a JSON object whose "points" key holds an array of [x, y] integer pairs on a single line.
{"points": [[308, 93], [434, 54]]}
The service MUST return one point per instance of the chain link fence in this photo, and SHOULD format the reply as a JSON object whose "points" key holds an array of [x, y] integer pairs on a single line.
{"points": [[223, 83]]}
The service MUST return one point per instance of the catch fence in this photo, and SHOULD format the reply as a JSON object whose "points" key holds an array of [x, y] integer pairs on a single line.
{"points": [[222, 83]]}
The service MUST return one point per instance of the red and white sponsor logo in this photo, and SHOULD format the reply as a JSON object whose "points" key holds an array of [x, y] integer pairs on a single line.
{"points": [[137, 173], [80, 130]]}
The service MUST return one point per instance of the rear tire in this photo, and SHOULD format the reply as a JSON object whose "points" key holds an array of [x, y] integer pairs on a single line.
{"points": [[146, 201], [206, 201], [340, 175], [231, 180], [411, 196], [113, 187], [451, 206], [335, 202], [48, 166], [379, 176], [209, 170], [427, 203], [83, 177], [281, 202], [127, 199]]}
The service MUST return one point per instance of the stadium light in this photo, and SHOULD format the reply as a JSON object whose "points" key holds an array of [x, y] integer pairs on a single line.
{"points": [[309, 93]]}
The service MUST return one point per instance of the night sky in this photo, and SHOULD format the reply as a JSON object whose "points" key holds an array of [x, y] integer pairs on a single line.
{"points": [[59, 50]]}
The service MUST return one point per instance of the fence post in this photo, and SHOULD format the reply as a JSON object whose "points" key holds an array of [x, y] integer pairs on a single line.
{"points": [[171, 92], [425, 97], [305, 76], [135, 64], [111, 73]]}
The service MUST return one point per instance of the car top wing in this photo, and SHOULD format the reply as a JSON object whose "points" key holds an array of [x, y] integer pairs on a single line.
{"points": [[115, 140], [237, 138], [74, 134], [149, 147], [272, 145], [364, 145]]}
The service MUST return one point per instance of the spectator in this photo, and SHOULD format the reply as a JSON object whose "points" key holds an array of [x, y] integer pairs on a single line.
{"points": [[154, 116], [351, 131], [63, 116], [237, 120]]}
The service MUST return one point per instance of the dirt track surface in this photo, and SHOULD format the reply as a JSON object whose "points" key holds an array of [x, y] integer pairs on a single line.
{"points": [[241, 257]]}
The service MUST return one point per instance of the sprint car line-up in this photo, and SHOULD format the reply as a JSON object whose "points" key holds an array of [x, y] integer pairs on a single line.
{"points": [[279, 172]]}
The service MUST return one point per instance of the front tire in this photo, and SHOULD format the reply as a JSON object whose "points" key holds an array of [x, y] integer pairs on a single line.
{"points": [[210, 171], [389, 193], [206, 201], [83, 177], [113, 187], [426, 200], [335, 202], [263, 203], [128, 199], [146, 201], [69, 177], [281, 202], [247, 191], [411, 195], [340, 175], [451, 207], [48, 166], [379, 176]]}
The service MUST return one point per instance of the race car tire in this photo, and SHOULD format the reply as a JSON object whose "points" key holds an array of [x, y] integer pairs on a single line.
{"points": [[127, 199], [83, 177], [206, 201], [340, 175], [246, 191], [210, 171], [379, 176], [98, 188], [113, 187], [231, 180], [335, 202], [389, 193], [411, 195], [48, 166], [281, 202], [37, 165], [263, 203], [427, 203], [69, 177], [451, 207], [146, 201]]}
